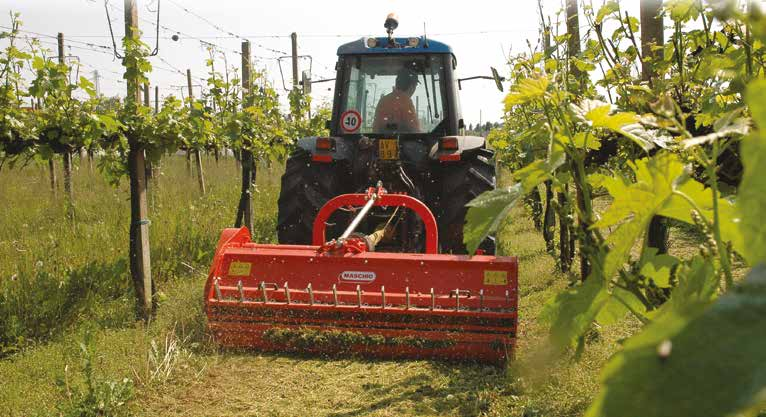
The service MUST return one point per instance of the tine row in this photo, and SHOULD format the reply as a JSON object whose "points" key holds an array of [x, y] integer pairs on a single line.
{"points": [[264, 287]]}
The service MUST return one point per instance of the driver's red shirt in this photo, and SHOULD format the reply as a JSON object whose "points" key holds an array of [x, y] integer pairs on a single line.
{"points": [[396, 108]]}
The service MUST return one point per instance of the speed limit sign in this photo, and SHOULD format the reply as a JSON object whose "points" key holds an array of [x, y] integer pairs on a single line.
{"points": [[350, 121]]}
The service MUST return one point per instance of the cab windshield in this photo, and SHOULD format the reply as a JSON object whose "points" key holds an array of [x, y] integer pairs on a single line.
{"points": [[395, 94]]}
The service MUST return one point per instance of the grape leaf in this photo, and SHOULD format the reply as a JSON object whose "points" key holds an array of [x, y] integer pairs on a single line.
{"points": [[695, 359], [657, 267], [526, 90], [752, 190], [486, 211], [617, 306], [739, 126], [571, 312]]}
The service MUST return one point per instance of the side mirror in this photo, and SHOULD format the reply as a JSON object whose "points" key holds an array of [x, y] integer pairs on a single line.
{"points": [[306, 82], [498, 79]]}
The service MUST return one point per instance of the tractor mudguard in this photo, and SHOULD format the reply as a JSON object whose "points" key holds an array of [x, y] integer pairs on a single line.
{"points": [[464, 143], [341, 150]]}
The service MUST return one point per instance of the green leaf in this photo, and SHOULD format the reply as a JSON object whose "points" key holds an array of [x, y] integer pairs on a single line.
{"points": [[617, 306], [600, 117], [682, 10], [738, 126], [571, 312], [486, 212], [729, 219], [581, 140], [657, 267], [612, 6], [38, 63], [696, 359], [752, 198], [754, 96], [533, 174], [526, 90], [88, 87], [636, 203]]}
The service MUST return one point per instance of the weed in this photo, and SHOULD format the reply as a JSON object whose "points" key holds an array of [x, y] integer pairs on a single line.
{"points": [[100, 397]]}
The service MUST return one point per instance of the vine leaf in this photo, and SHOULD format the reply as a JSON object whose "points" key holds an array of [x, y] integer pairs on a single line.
{"points": [[486, 212], [600, 115], [657, 267], [608, 8], [697, 358], [752, 190], [526, 90], [728, 126], [617, 306], [571, 312], [636, 203]]}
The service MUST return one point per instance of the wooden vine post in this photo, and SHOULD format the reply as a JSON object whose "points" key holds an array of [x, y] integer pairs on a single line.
{"points": [[51, 162], [245, 209], [140, 261], [573, 49], [67, 156], [651, 36], [197, 160]]}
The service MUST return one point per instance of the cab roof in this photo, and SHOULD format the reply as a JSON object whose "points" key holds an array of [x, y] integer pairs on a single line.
{"points": [[359, 46]]}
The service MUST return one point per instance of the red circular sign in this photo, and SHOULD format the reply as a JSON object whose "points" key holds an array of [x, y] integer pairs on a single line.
{"points": [[350, 121]]}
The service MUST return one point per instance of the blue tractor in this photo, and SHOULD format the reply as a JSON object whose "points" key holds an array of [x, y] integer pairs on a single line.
{"points": [[396, 120]]}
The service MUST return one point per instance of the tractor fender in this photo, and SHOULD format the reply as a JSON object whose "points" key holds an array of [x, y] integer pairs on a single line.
{"points": [[343, 149], [464, 143]]}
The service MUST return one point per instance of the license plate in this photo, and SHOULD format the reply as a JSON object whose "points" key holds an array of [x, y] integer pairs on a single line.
{"points": [[388, 149]]}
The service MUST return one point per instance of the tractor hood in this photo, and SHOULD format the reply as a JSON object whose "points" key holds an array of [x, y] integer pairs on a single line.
{"points": [[404, 46]]}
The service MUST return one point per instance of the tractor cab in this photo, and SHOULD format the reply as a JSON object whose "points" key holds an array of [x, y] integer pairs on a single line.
{"points": [[396, 121], [403, 87]]}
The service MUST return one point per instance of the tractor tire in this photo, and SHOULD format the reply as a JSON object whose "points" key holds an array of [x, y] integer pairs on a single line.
{"points": [[306, 187], [461, 183]]}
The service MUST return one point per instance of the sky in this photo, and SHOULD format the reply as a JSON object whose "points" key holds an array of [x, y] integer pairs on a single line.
{"points": [[482, 34]]}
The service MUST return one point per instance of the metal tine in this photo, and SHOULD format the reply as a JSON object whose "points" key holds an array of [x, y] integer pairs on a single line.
{"points": [[433, 300], [241, 291], [383, 295], [311, 294], [481, 299], [335, 294], [287, 293], [217, 290], [457, 299], [359, 295], [407, 297], [263, 289]]}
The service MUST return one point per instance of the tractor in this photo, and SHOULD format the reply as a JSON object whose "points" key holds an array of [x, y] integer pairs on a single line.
{"points": [[371, 259]]}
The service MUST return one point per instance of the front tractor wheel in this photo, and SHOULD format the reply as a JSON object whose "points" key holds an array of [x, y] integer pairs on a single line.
{"points": [[461, 183], [306, 187]]}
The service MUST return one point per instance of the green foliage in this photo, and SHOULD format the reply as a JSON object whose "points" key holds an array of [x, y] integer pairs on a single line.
{"points": [[672, 129], [17, 130], [486, 212], [695, 358], [751, 198]]}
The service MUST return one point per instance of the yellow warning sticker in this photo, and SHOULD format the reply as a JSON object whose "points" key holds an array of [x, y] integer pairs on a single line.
{"points": [[242, 269], [495, 277]]}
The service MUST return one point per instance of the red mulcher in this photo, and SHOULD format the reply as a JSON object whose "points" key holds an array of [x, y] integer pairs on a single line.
{"points": [[340, 296]]}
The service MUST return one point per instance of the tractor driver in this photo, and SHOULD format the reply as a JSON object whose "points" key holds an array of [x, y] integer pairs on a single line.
{"points": [[395, 111]]}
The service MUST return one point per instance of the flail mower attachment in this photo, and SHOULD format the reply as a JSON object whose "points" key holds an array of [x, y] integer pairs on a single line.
{"points": [[340, 296]]}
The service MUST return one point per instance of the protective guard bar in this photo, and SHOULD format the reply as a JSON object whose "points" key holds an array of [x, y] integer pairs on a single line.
{"points": [[382, 199]]}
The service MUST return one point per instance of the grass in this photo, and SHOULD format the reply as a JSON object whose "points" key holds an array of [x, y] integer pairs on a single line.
{"points": [[60, 279]]}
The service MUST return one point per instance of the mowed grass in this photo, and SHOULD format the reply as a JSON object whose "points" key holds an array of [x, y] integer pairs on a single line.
{"points": [[178, 372]]}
